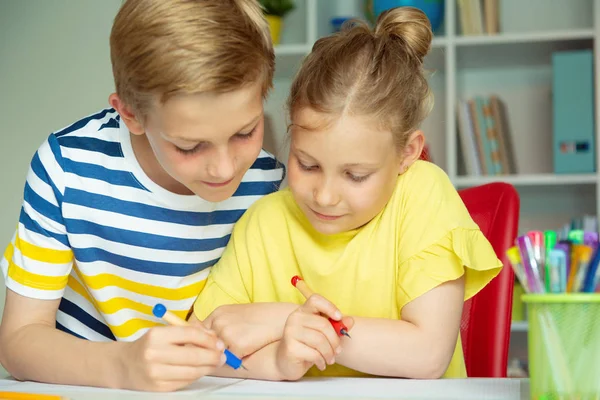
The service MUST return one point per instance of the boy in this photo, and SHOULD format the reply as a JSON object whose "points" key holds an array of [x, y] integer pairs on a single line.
{"points": [[132, 206]]}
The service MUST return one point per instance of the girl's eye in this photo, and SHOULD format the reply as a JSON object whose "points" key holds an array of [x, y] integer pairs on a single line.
{"points": [[357, 178], [309, 168]]}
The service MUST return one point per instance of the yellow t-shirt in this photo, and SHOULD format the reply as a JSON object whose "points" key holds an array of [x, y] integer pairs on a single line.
{"points": [[423, 237]]}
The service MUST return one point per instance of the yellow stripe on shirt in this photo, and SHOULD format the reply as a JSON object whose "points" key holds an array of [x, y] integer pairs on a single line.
{"points": [[35, 281], [101, 281], [43, 254], [135, 324]]}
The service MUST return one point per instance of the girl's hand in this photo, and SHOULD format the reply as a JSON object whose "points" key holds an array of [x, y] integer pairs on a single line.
{"points": [[247, 328], [171, 357], [309, 339]]}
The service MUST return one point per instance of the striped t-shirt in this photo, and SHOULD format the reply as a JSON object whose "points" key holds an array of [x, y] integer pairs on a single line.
{"points": [[97, 233]]}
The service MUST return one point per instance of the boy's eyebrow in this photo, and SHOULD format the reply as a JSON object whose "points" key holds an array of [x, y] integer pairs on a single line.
{"points": [[184, 139]]}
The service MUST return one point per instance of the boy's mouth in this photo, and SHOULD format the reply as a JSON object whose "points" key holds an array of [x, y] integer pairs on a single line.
{"points": [[217, 184]]}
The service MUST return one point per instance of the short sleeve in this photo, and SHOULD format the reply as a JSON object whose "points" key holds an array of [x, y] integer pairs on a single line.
{"points": [[462, 251], [229, 280], [38, 261]]}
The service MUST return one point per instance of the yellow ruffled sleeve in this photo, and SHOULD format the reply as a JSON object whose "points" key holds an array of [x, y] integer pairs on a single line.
{"points": [[462, 251], [229, 280]]}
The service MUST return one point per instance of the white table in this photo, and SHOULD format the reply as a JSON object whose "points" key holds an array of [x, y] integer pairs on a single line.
{"points": [[330, 389]]}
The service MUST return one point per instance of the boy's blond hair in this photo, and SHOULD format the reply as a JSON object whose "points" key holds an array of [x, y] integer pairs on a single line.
{"points": [[376, 73], [163, 48]]}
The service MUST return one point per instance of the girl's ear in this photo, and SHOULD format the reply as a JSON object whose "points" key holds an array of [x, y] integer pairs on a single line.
{"points": [[127, 116], [412, 150]]}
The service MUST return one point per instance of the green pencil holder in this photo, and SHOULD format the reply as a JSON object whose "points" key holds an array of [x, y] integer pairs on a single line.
{"points": [[564, 345]]}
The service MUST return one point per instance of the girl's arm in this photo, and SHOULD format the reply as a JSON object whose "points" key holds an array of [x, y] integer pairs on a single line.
{"points": [[246, 328], [420, 345], [308, 339]]}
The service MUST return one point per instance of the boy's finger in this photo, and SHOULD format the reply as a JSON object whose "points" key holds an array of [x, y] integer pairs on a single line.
{"points": [[180, 373], [194, 335], [317, 304], [191, 356]]}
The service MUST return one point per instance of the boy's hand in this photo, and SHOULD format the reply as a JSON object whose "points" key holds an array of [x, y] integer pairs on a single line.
{"points": [[309, 339], [171, 357], [247, 328]]}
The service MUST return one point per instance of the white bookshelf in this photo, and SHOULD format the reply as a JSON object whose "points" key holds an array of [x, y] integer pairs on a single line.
{"points": [[514, 64]]}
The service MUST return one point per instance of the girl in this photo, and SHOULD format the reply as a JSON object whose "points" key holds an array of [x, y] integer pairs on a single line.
{"points": [[379, 233]]}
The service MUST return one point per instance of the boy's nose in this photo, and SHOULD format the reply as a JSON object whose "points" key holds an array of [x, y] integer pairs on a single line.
{"points": [[222, 166]]}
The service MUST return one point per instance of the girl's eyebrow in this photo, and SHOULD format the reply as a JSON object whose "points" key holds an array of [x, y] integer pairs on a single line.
{"points": [[347, 165]]}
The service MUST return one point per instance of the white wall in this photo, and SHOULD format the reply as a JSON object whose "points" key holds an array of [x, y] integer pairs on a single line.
{"points": [[54, 69]]}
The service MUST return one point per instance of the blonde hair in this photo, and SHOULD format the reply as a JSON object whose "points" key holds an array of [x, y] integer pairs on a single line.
{"points": [[377, 73], [163, 48]]}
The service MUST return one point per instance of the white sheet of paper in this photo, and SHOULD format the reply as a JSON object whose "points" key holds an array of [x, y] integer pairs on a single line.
{"points": [[309, 388], [380, 388], [202, 386]]}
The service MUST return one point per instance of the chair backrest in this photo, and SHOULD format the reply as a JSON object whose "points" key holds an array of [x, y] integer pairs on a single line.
{"points": [[485, 325]]}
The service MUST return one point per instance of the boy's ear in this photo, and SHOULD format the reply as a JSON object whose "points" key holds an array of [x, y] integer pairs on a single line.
{"points": [[133, 123], [412, 150]]}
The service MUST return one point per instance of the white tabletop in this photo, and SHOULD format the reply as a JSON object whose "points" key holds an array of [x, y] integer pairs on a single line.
{"points": [[321, 388]]}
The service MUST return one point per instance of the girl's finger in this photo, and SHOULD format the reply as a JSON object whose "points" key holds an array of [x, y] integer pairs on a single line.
{"points": [[317, 304], [307, 354], [316, 340]]}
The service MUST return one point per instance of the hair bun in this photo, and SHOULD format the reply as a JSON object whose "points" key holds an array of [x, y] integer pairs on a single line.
{"points": [[410, 25]]}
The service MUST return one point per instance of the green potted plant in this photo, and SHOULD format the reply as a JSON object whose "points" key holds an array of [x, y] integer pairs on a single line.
{"points": [[274, 11]]}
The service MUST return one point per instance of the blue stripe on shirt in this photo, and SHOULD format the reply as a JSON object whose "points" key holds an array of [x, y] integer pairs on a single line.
{"points": [[94, 171], [63, 328], [155, 213], [79, 314], [34, 226], [266, 163], [41, 205], [83, 122], [142, 239], [112, 149], [257, 188], [40, 171], [135, 264], [112, 123]]}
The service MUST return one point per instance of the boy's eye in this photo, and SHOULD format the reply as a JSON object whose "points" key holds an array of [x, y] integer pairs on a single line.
{"points": [[357, 178], [247, 135], [307, 167], [191, 151]]}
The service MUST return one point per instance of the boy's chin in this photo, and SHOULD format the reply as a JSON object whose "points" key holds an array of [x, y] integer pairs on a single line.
{"points": [[215, 195]]}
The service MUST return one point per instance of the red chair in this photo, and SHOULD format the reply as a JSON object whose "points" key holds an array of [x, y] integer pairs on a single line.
{"points": [[486, 319]]}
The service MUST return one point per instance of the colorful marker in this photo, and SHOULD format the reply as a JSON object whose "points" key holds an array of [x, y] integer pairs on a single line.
{"points": [[160, 311], [532, 268], [515, 261], [299, 283]]}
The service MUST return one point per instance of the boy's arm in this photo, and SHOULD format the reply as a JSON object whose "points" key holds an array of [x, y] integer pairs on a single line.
{"points": [[31, 348], [420, 345]]}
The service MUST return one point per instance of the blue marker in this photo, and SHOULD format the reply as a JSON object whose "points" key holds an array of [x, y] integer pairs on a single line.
{"points": [[160, 311]]}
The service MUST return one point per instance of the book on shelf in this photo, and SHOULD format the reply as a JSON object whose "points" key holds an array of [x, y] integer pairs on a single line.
{"points": [[478, 17], [484, 137]]}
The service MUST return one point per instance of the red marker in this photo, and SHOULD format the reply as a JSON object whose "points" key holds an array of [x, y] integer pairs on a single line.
{"points": [[299, 283]]}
